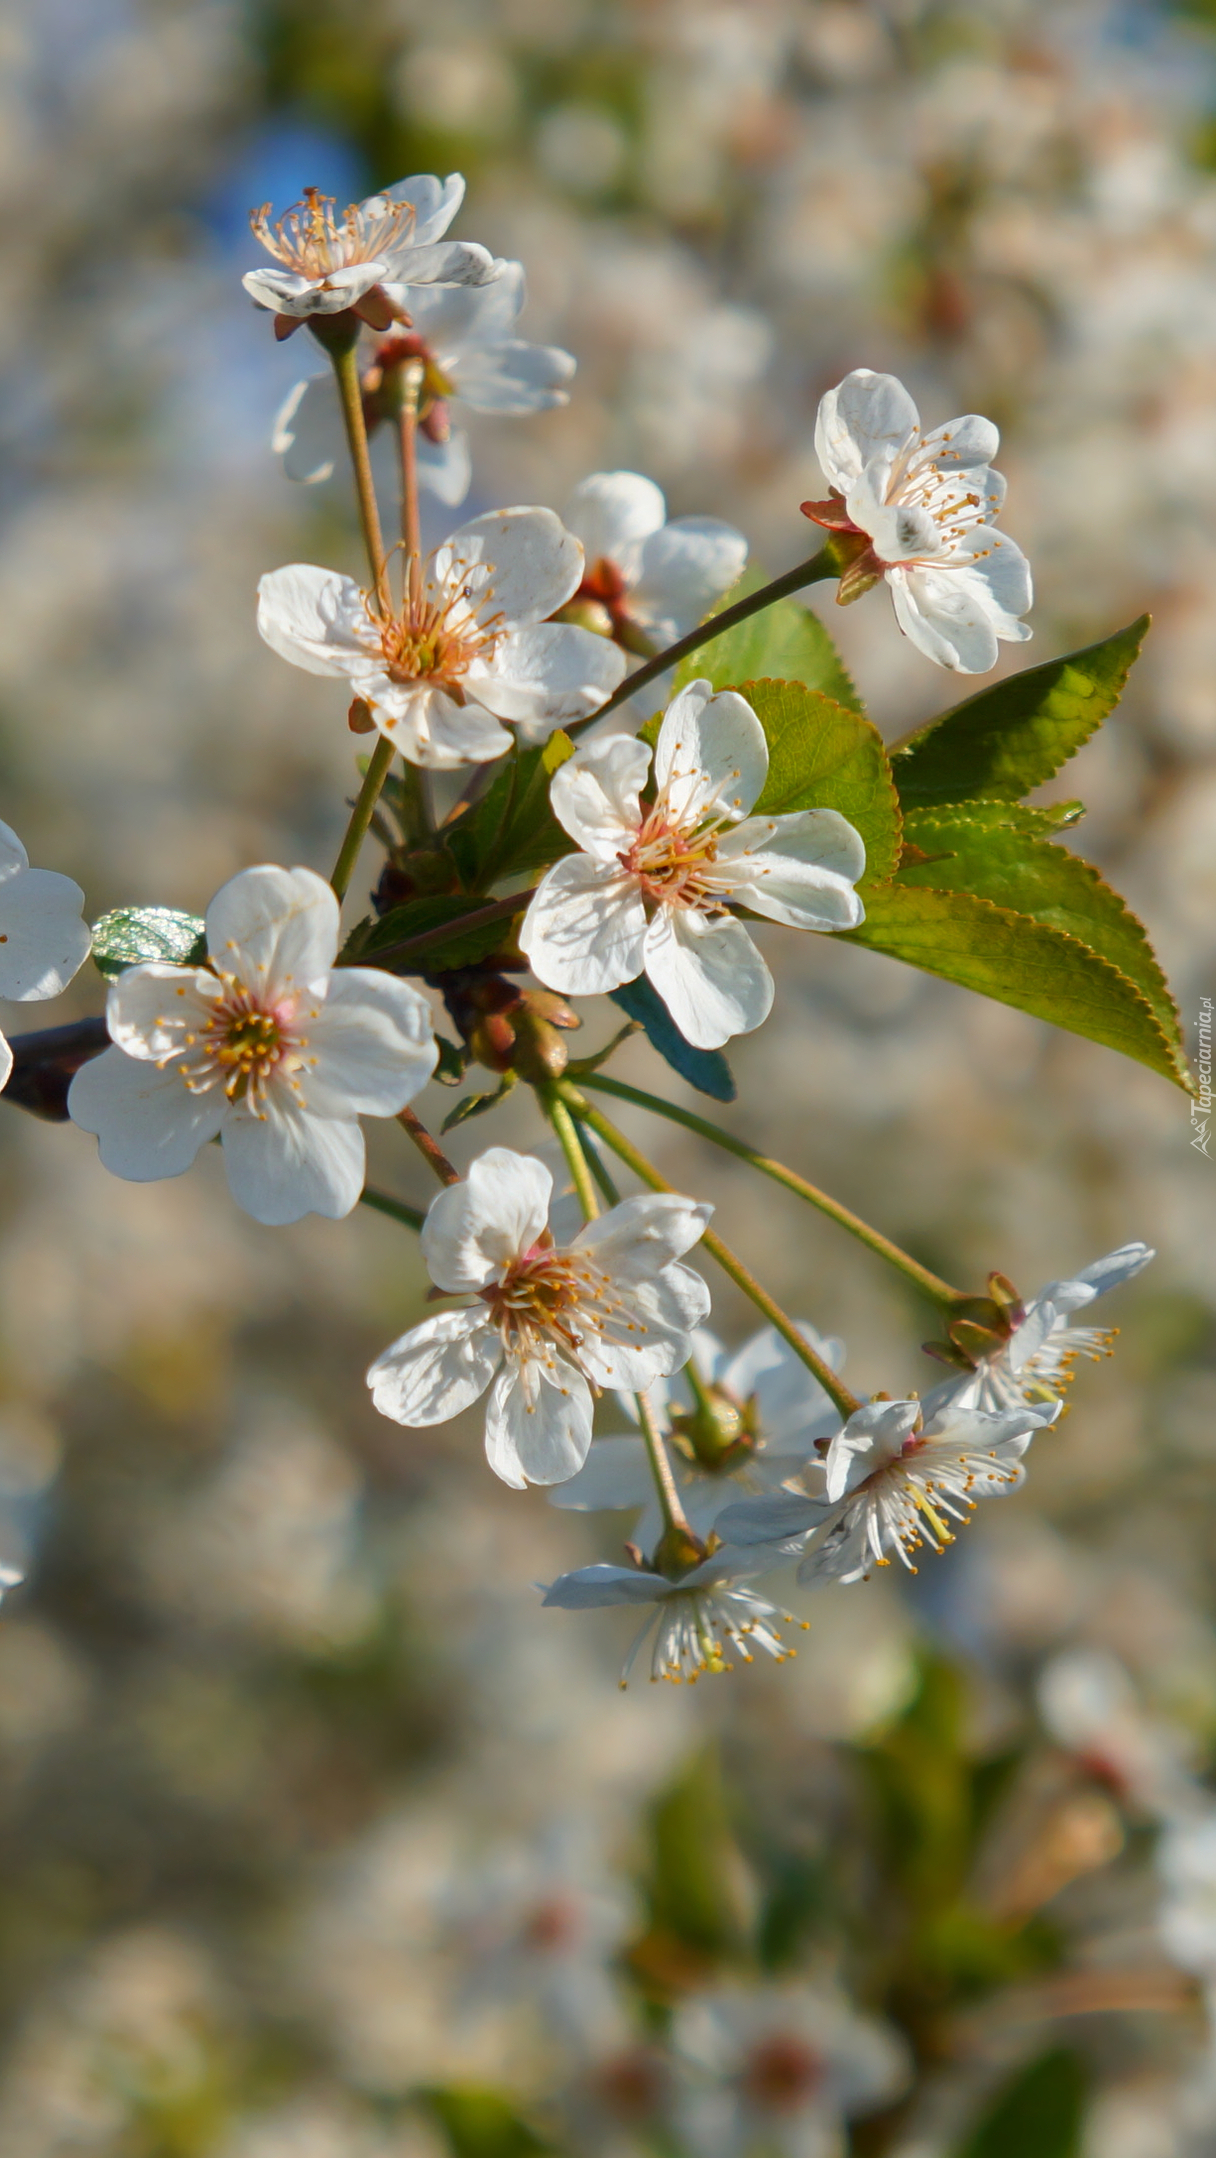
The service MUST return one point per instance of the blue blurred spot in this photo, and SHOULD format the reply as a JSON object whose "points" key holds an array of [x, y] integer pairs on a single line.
{"points": [[275, 165]]}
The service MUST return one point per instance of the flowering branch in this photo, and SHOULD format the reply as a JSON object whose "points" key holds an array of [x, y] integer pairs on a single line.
{"points": [[824, 564], [846, 1402], [932, 1285]]}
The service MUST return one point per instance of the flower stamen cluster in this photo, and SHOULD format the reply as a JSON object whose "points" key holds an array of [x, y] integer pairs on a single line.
{"points": [[310, 240]]}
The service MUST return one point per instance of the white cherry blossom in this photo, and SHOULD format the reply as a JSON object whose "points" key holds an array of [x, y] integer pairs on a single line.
{"points": [[1035, 1362], [365, 257], [655, 580], [781, 2069], [694, 1619], [549, 1325], [651, 887], [269, 1048], [471, 650], [43, 940], [463, 337], [768, 1411], [892, 1484], [926, 504]]}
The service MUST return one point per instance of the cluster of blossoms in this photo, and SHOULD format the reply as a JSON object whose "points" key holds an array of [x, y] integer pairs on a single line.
{"points": [[275, 1037]]}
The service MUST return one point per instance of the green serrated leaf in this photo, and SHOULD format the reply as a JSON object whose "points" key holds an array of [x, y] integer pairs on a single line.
{"points": [[785, 641], [706, 1069], [1018, 961], [1041, 2109], [512, 831], [476, 1104], [137, 936], [1013, 736], [463, 948], [479, 2123], [975, 850], [824, 756]]}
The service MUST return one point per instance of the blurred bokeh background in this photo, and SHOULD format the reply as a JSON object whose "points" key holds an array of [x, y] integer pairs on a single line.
{"points": [[306, 1807]]}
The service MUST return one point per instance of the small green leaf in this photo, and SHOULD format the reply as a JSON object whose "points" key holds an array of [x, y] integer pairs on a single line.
{"points": [[824, 756], [973, 849], [785, 641], [477, 1104], [512, 830], [1018, 961], [1012, 737], [479, 2123], [1041, 2109], [463, 948], [706, 1069], [136, 936]]}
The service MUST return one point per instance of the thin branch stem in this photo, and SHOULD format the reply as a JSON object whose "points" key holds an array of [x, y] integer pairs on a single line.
{"points": [[378, 766], [381, 1203], [571, 1146], [675, 1520], [345, 360], [931, 1285], [821, 565], [430, 1149], [743, 1279], [407, 437]]}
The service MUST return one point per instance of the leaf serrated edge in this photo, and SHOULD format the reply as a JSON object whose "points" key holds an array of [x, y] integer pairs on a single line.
{"points": [[1178, 1075]]}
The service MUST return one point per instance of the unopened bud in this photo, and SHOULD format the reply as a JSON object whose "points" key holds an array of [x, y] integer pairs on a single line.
{"points": [[585, 614]]}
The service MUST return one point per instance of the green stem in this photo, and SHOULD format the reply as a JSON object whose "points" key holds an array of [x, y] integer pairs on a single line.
{"points": [[576, 1161], [700, 1391], [821, 565], [361, 815], [396, 1209], [345, 360], [837, 1393], [932, 1285], [675, 1520]]}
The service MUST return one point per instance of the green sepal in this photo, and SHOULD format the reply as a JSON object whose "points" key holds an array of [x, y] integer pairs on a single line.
{"points": [[1017, 960], [139, 936], [1015, 735], [822, 755], [706, 1069], [786, 640], [476, 1104], [972, 848]]}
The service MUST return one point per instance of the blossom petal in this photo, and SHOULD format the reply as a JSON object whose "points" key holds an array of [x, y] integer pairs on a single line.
{"points": [[709, 975], [640, 1237], [152, 1009], [956, 611], [966, 442], [513, 377], [460, 319], [585, 930], [13, 857], [147, 1122], [434, 732], [373, 1044], [547, 674], [596, 795], [530, 563], [711, 753], [475, 1228], [312, 617], [449, 262], [445, 469], [684, 570], [873, 1435], [589, 1587], [538, 1433], [307, 431], [615, 1476], [665, 1311], [276, 929], [435, 203], [866, 416], [284, 292], [613, 513], [43, 940], [770, 1518], [283, 1163], [6, 1063], [437, 1369], [799, 869]]}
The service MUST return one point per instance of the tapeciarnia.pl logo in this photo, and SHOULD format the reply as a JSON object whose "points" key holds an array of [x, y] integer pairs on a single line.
{"points": [[1201, 1107]]}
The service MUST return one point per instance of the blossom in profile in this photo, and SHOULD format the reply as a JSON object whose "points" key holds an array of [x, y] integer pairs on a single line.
{"points": [[781, 2069], [463, 337], [923, 507], [698, 1621], [549, 1325], [766, 1411], [654, 580], [652, 885], [269, 1048], [1029, 1354], [892, 1484], [43, 939], [466, 653], [363, 258]]}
